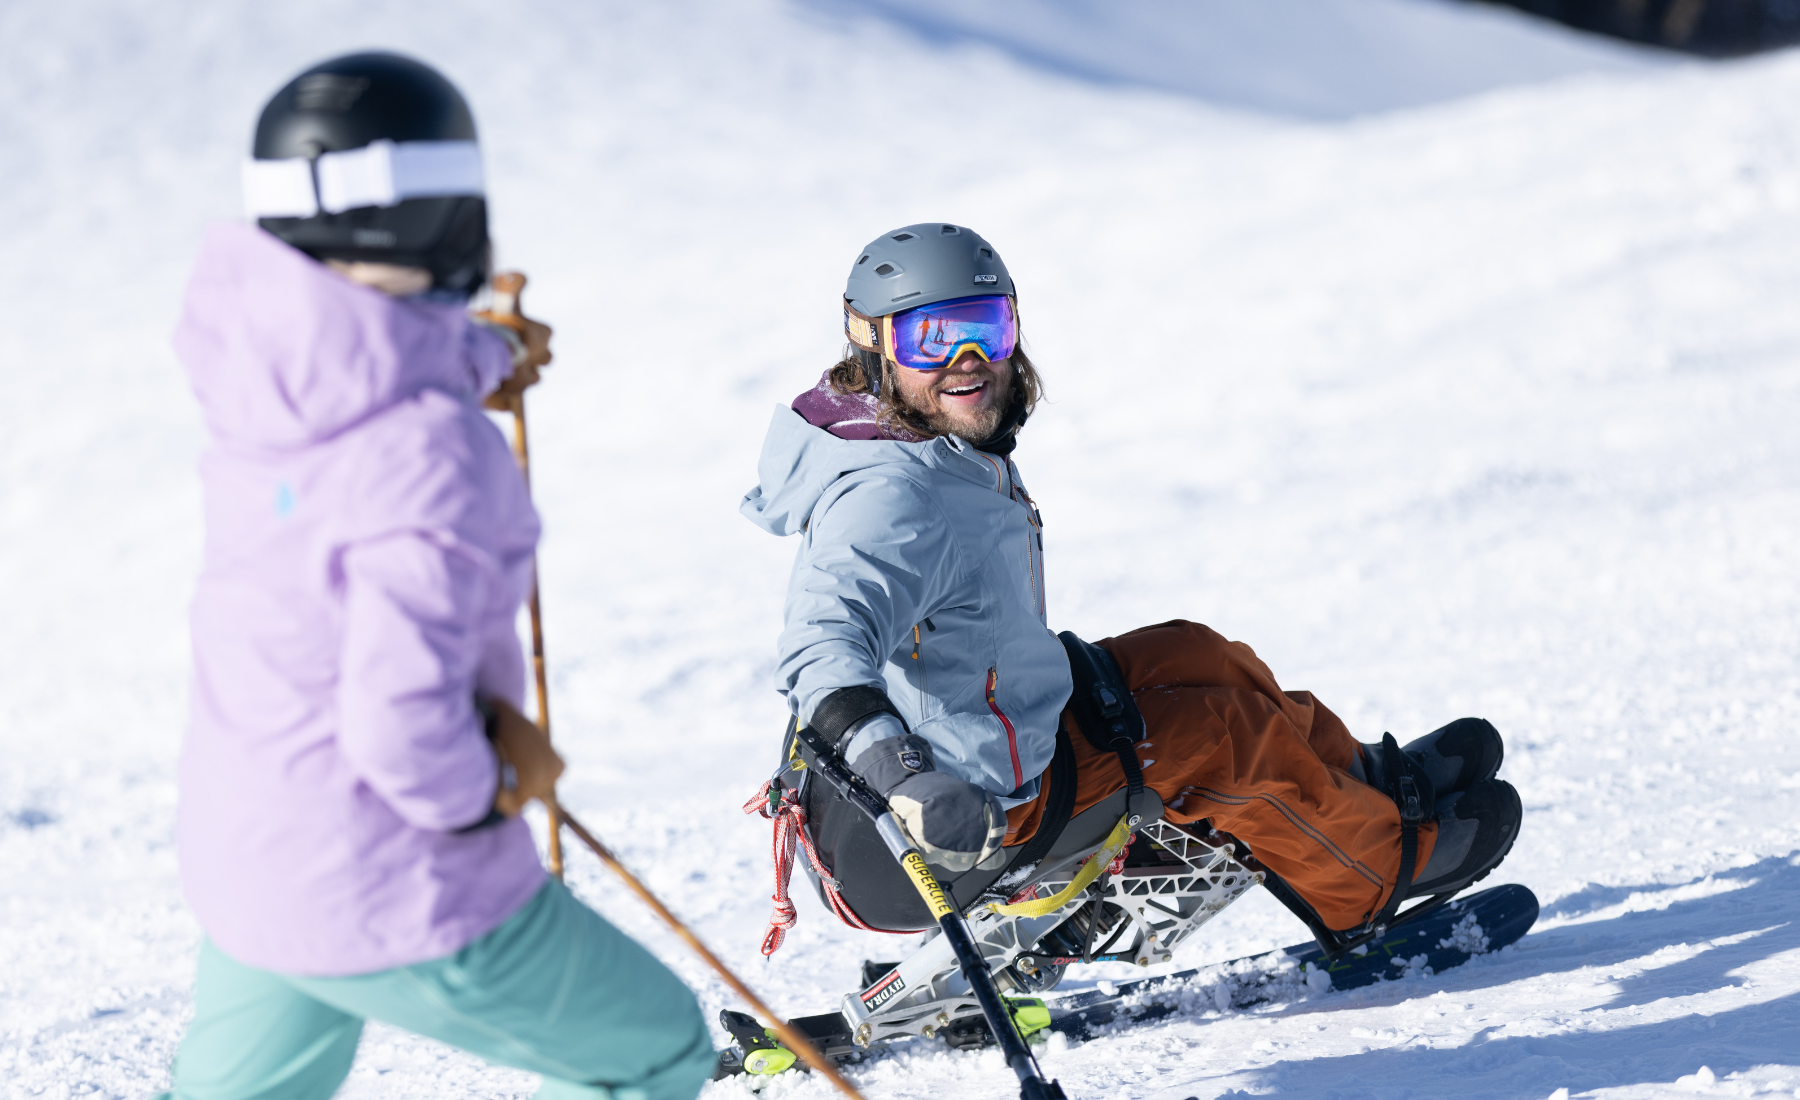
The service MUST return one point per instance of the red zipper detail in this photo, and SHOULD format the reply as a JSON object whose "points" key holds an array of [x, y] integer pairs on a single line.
{"points": [[1012, 735]]}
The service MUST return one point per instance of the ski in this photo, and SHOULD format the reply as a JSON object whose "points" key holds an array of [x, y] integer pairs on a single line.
{"points": [[1436, 941]]}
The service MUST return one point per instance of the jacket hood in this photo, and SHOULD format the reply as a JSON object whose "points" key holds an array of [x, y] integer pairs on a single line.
{"points": [[858, 416], [281, 351], [847, 415], [800, 461]]}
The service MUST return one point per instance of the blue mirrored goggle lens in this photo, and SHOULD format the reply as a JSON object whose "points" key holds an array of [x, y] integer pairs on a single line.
{"points": [[931, 337]]}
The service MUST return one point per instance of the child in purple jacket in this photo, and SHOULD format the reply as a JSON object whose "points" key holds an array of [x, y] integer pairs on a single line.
{"points": [[356, 762]]}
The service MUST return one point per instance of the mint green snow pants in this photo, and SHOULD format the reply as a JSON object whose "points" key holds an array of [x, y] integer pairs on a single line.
{"points": [[555, 990]]}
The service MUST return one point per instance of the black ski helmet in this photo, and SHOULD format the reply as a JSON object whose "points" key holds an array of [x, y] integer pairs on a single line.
{"points": [[373, 157]]}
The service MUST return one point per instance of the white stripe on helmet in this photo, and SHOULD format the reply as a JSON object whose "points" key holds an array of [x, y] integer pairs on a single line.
{"points": [[279, 189], [381, 173]]}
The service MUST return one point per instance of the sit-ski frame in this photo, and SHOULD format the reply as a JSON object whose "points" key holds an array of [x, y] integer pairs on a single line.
{"points": [[1164, 903]]}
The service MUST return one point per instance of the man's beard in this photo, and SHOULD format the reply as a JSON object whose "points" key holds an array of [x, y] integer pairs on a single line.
{"points": [[974, 429]]}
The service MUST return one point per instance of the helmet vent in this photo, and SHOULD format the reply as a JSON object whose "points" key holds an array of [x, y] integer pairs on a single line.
{"points": [[908, 294], [903, 236], [987, 253], [329, 92], [863, 261], [948, 231], [885, 269]]}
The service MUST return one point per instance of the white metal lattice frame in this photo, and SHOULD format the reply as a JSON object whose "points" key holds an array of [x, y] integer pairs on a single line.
{"points": [[1165, 905]]}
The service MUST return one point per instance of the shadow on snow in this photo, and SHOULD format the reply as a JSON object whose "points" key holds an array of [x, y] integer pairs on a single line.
{"points": [[1714, 943], [1313, 60]]}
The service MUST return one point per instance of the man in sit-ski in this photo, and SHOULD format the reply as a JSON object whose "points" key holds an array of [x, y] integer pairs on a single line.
{"points": [[920, 574]]}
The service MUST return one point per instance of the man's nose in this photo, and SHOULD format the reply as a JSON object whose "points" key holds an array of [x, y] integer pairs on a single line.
{"points": [[968, 361]]}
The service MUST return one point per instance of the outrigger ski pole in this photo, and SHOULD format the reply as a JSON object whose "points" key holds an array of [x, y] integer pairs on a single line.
{"points": [[829, 764]]}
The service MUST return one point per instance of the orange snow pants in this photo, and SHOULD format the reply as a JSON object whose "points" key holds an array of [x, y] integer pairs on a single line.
{"points": [[1226, 744]]}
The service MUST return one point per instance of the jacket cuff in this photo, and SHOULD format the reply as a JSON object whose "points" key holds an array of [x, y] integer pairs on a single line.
{"points": [[490, 724], [876, 727], [493, 818]]}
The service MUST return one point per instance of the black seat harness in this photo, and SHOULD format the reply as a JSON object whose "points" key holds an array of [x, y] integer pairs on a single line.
{"points": [[1104, 710]]}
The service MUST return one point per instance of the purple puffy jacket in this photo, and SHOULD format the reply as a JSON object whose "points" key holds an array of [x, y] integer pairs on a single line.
{"points": [[368, 545]]}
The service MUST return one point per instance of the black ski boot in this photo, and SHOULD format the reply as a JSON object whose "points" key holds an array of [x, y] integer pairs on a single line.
{"points": [[1476, 828], [1456, 756]]}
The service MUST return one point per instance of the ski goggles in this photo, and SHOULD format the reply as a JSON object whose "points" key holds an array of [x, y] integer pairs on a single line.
{"points": [[931, 337]]}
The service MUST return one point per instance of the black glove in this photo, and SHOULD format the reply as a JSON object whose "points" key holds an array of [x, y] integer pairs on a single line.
{"points": [[957, 825]]}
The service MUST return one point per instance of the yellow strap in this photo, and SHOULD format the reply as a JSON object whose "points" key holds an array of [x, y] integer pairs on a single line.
{"points": [[1040, 907], [795, 762]]}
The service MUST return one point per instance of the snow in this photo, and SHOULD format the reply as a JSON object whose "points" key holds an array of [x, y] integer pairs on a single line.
{"points": [[1449, 359], [1315, 59]]}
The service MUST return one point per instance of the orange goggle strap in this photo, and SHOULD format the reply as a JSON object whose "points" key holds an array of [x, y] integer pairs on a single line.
{"points": [[864, 331]]}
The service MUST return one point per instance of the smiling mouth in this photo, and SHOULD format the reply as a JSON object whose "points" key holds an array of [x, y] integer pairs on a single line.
{"points": [[969, 390]]}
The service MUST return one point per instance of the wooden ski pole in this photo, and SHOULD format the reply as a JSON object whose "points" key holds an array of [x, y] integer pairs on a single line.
{"points": [[791, 1037], [508, 286]]}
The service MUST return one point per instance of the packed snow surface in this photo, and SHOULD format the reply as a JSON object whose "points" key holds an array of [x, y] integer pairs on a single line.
{"points": [[1451, 361]]}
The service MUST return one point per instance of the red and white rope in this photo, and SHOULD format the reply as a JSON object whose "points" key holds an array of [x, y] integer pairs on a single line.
{"points": [[790, 822]]}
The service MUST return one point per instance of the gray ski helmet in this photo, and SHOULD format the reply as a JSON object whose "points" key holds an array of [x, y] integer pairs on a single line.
{"points": [[921, 264]]}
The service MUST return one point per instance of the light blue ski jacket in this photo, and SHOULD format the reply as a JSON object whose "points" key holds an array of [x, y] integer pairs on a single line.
{"points": [[920, 572]]}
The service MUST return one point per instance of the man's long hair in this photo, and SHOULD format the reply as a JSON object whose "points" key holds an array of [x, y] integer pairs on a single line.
{"points": [[854, 373]]}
